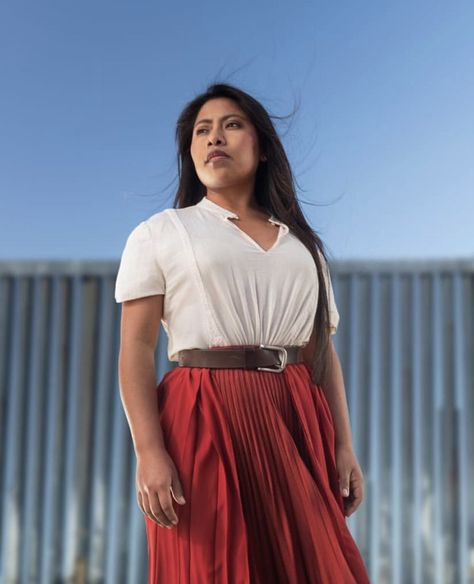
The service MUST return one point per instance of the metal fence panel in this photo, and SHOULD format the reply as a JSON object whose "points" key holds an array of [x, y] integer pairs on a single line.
{"points": [[67, 467]]}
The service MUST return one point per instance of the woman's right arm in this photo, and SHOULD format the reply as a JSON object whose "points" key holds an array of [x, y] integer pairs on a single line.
{"points": [[156, 473], [139, 332]]}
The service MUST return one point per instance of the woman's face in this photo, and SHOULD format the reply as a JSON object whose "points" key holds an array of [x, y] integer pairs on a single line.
{"points": [[226, 128]]}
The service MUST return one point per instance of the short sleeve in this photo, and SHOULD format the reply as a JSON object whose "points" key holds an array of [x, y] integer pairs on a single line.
{"points": [[333, 312], [139, 273]]}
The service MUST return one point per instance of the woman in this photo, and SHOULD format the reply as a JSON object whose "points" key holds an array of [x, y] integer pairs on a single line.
{"points": [[250, 433]]}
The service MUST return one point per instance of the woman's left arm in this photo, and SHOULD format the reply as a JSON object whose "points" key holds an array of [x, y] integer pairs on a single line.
{"points": [[350, 472], [336, 397]]}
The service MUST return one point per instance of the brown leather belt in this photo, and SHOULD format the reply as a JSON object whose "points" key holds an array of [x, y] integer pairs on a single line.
{"points": [[261, 357]]}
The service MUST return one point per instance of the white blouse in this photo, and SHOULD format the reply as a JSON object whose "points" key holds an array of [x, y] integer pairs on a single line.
{"points": [[220, 287]]}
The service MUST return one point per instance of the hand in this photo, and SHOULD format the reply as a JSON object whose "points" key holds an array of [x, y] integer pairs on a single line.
{"points": [[351, 479], [156, 475]]}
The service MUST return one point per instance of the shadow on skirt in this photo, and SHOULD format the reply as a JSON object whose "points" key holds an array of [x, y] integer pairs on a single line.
{"points": [[255, 455]]}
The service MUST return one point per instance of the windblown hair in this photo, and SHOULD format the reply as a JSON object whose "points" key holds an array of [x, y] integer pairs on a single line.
{"points": [[274, 190]]}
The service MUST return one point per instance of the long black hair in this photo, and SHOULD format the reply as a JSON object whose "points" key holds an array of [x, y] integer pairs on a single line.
{"points": [[274, 190]]}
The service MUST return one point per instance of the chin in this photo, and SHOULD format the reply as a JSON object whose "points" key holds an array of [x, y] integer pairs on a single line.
{"points": [[216, 182]]}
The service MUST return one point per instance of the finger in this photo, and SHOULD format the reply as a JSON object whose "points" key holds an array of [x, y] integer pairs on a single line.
{"points": [[352, 507], [349, 511], [356, 485], [353, 503], [167, 506], [177, 492], [357, 478], [348, 507], [146, 506], [140, 503], [358, 492], [152, 510], [158, 508], [344, 485]]}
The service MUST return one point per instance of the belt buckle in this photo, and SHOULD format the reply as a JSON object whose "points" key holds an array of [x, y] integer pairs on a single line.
{"points": [[283, 358]]}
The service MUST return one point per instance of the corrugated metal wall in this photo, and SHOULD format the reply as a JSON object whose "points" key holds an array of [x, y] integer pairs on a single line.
{"points": [[68, 503]]}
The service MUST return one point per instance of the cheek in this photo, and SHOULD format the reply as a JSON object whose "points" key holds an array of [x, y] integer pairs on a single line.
{"points": [[249, 145], [196, 154]]}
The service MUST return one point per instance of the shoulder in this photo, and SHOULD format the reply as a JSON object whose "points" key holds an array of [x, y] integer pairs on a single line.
{"points": [[157, 220], [169, 216], [164, 225], [151, 232], [176, 220], [165, 230], [159, 226]]}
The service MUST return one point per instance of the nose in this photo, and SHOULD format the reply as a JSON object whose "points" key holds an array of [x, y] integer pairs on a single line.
{"points": [[215, 136]]}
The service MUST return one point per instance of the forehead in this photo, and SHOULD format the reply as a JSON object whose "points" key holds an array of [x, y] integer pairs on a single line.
{"points": [[217, 108]]}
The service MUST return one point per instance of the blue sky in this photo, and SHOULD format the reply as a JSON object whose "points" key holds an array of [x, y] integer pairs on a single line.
{"points": [[382, 143]]}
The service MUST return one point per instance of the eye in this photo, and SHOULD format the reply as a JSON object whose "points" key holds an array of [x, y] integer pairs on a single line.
{"points": [[199, 130]]}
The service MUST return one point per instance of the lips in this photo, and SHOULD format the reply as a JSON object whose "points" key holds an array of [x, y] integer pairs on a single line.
{"points": [[216, 153]]}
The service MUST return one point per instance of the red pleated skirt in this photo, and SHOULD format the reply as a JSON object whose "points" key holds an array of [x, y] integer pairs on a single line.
{"points": [[255, 455]]}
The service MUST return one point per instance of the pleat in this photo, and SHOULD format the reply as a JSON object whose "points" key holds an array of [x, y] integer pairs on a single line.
{"points": [[255, 455]]}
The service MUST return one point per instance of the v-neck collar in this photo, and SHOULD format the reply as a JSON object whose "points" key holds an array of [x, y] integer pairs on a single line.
{"points": [[226, 213]]}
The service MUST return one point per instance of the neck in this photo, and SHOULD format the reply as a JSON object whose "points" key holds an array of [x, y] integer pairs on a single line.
{"points": [[240, 202]]}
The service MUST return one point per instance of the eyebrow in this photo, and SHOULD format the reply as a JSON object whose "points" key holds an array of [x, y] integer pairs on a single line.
{"points": [[207, 121]]}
